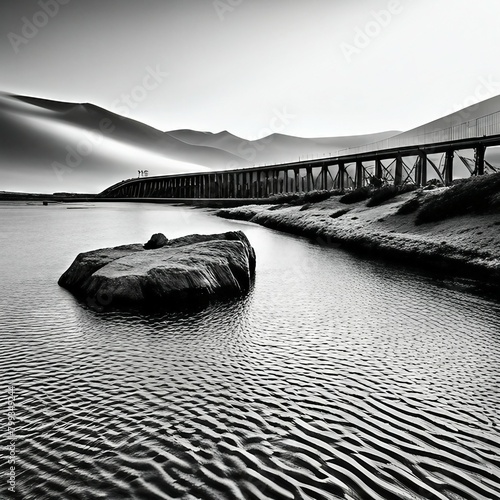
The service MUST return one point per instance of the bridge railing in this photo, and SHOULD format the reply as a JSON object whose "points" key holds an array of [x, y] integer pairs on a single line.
{"points": [[485, 125]]}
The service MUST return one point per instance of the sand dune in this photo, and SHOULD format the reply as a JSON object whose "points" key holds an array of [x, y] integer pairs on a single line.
{"points": [[47, 146], [469, 113]]}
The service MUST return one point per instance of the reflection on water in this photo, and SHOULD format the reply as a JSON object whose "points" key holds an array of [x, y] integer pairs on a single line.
{"points": [[334, 378]]}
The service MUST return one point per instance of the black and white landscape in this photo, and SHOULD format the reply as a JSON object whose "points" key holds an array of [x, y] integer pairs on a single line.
{"points": [[333, 342]]}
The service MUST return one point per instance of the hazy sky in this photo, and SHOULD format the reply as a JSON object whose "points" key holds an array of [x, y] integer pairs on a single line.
{"points": [[309, 68]]}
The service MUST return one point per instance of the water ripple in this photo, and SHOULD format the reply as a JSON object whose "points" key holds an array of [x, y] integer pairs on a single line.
{"points": [[359, 382]]}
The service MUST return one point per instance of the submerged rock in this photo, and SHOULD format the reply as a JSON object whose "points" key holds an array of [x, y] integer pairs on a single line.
{"points": [[184, 271]]}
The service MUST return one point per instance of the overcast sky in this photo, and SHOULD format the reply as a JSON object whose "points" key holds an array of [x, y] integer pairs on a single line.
{"points": [[308, 68]]}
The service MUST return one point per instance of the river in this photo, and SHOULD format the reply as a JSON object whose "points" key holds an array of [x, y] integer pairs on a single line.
{"points": [[335, 377]]}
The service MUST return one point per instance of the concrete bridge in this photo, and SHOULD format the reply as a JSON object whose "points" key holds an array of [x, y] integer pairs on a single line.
{"points": [[400, 160]]}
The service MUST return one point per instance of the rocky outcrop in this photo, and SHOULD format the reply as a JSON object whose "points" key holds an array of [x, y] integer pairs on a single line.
{"points": [[187, 270]]}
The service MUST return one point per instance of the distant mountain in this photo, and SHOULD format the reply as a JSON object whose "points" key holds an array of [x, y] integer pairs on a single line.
{"points": [[276, 148]]}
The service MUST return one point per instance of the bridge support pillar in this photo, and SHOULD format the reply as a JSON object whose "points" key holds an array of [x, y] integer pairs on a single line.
{"points": [[359, 174], [448, 167], [285, 181], [309, 179], [220, 186], [296, 175], [324, 177], [421, 170], [378, 169], [398, 174], [208, 187], [341, 177], [479, 160], [213, 186], [251, 185], [226, 182], [245, 185]]}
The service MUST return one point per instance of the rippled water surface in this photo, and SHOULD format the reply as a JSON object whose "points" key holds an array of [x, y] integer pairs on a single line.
{"points": [[334, 378]]}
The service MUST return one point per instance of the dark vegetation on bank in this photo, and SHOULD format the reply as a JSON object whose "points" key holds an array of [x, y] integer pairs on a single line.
{"points": [[375, 196], [465, 249], [475, 195], [295, 199]]}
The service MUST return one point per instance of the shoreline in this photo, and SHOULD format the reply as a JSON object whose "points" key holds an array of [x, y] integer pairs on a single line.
{"points": [[466, 246]]}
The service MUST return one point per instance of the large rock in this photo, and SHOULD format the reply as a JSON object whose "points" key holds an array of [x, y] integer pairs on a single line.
{"points": [[158, 240], [186, 270]]}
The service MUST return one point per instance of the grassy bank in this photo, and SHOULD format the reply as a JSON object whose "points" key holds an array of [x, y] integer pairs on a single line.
{"points": [[456, 229]]}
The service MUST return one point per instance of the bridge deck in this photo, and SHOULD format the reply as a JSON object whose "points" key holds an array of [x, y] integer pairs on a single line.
{"points": [[250, 184]]}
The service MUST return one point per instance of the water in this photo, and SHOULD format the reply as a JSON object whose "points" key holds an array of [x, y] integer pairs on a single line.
{"points": [[334, 378]]}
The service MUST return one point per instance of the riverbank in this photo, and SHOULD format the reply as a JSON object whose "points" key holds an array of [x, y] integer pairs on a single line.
{"points": [[464, 245], [49, 198]]}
